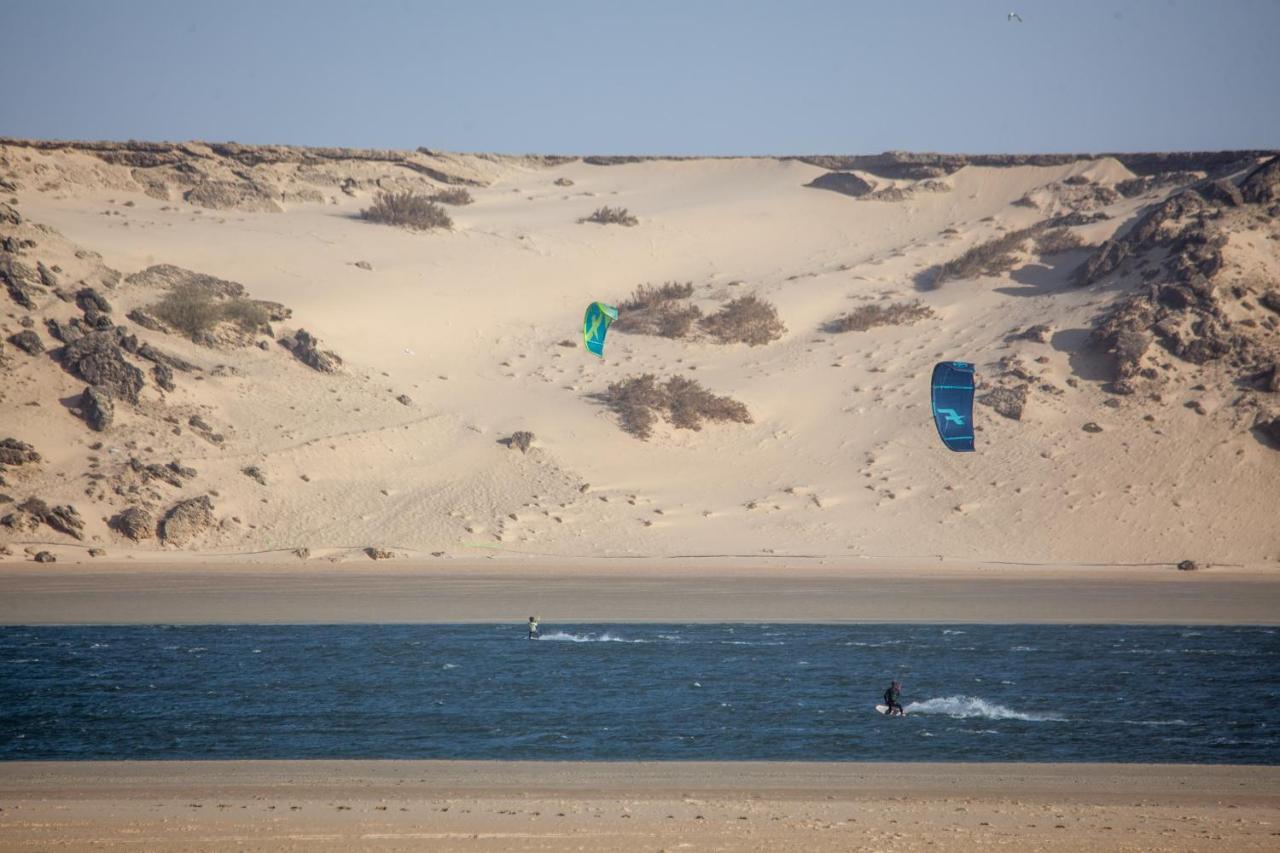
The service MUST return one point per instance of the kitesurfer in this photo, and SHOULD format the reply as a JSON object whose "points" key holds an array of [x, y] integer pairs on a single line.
{"points": [[891, 700], [533, 627]]}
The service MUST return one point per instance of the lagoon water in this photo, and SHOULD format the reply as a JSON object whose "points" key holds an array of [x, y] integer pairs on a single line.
{"points": [[633, 692]]}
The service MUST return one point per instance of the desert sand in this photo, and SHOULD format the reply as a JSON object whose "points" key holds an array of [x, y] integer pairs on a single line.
{"points": [[410, 805], [840, 459]]}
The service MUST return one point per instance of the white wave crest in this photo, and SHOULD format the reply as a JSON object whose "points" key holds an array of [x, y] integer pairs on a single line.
{"points": [[972, 706], [564, 637]]}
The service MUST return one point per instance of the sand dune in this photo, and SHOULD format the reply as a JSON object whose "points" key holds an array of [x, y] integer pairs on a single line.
{"points": [[840, 458]]}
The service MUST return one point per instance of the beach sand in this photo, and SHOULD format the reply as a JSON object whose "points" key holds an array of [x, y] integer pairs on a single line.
{"points": [[518, 806], [403, 592]]}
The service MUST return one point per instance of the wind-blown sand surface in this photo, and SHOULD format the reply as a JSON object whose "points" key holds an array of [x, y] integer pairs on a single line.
{"points": [[412, 805], [483, 592], [840, 459]]}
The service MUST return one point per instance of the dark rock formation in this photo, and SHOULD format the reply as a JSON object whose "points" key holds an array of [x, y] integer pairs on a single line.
{"points": [[97, 409], [521, 440], [170, 277], [1188, 566], [65, 519], [1262, 185], [1009, 402], [14, 452], [1222, 191], [404, 400], [28, 341], [1039, 333], [88, 299], [378, 553], [163, 375], [146, 320], [253, 472], [174, 473], [97, 359], [1091, 427], [45, 557], [306, 349], [186, 521], [845, 183], [135, 523]]}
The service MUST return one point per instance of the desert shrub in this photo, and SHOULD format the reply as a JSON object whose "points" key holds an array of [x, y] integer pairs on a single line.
{"points": [[993, 257], [648, 296], [409, 209], [611, 216], [195, 310], [249, 315], [747, 319], [1058, 240], [640, 400], [866, 317], [564, 182], [636, 400], [656, 310], [456, 196], [190, 310]]}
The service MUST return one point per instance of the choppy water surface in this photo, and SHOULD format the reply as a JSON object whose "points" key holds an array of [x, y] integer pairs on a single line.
{"points": [[798, 692]]}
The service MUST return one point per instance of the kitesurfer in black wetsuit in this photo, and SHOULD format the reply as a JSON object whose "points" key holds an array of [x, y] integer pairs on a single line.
{"points": [[891, 700]]}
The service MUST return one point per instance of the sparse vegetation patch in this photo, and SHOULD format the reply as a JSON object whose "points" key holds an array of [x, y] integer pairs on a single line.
{"points": [[747, 319], [457, 196], [611, 216], [408, 209], [1057, 240], [993, 257], [640, 400], [866, 317], [195, 310]]}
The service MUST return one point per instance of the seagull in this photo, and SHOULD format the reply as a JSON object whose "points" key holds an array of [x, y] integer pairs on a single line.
{"points": [[1014, 16]]}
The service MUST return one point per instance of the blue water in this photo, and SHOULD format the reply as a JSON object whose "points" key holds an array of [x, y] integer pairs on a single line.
{"points": [[800, 692]]}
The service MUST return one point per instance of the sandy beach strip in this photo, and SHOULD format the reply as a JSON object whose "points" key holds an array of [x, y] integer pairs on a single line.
{"points": [[202, 593], [404, 805]]}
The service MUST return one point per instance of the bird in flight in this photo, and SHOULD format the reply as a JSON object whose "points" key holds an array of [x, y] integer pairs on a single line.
{"points": [[1014, 16]]}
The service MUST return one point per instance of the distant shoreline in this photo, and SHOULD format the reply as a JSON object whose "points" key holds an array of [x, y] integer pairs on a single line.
{"points": [[641, 591]]}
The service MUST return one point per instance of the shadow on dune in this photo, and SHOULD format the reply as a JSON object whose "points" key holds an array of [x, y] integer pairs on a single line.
{"points": [[1087, 361]]}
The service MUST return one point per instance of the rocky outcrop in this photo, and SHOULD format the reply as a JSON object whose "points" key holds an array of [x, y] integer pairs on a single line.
{"points": [[230, 195], [14, 452], [146, 320], [1262, 185], [88, 299], [306, 349], [45, 557], [135, 523], [97, 359], [521, 440], [28, 341], [33, 512], [378, 554], [845, 183], [174, 473], [186, 521], [97, 409], [170, 277], [1009, 402]]}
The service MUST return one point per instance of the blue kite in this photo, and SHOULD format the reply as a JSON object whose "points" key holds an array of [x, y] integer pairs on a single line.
{"points": [[595, 324], [953, 404]]}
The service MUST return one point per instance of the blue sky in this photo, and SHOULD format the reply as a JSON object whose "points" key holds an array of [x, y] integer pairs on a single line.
{"points": [[649, 76]]}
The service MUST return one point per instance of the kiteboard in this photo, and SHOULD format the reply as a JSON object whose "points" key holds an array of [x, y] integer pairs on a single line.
{"points": [[884, 709]]}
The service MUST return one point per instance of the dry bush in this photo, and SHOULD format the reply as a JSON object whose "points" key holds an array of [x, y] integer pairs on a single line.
{"points": [[520, 440], [639, 400], [747, 319], [611, 216], [648, 296], [194, 310], [409, 209], [867, 317], [190, 310], [1058, 240], [456, 196], [990, 258], [250, 316], [655, 310]]}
